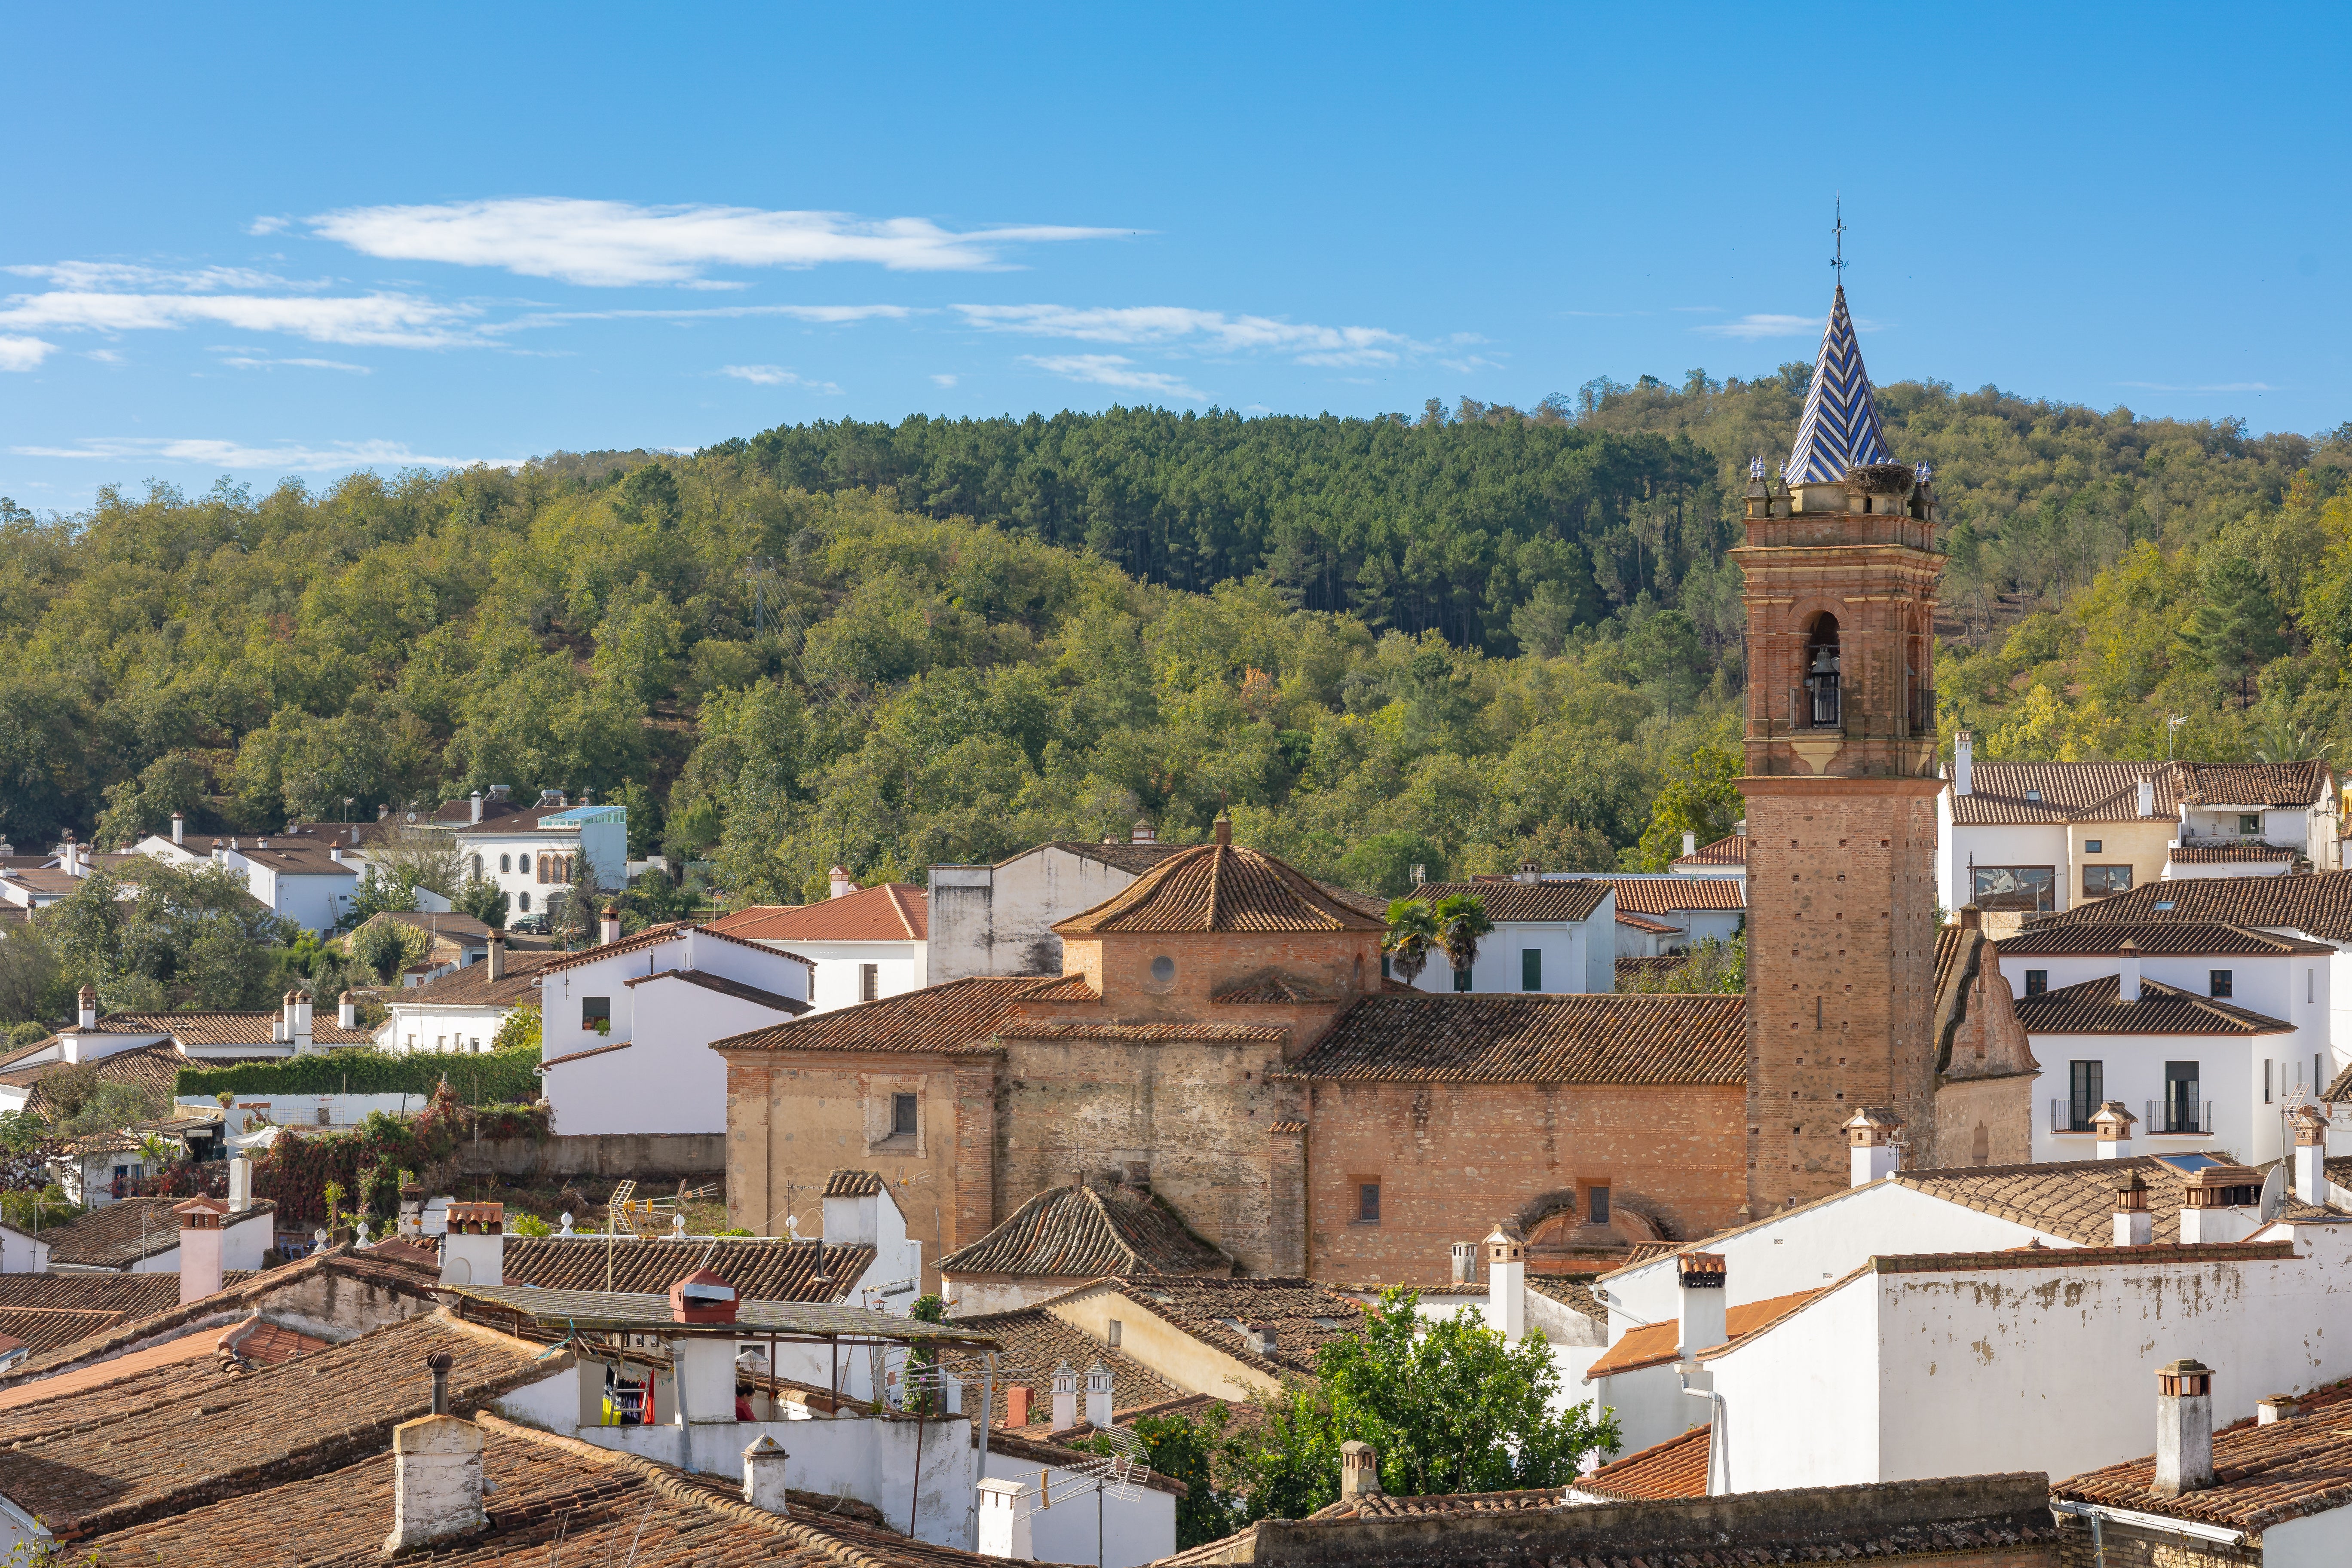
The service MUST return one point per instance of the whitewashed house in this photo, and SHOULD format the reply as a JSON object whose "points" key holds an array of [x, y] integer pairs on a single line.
{"points": [[2207, 1033], [625, 1027], [864, 943], [1000, 919], [533, 852], [307, 873], [2021, 838], [463, 1009], [1548, 936]]}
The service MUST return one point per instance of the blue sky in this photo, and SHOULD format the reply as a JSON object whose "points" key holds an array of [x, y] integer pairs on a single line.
{"points": [[263, 242]]}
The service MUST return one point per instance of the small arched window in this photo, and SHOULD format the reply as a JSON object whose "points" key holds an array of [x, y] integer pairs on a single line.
{"points": [[506, 864], [523, 863], [524, 901], [1822, 672]]}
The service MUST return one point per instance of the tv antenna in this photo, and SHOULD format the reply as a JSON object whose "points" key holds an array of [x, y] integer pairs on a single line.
{"points": [[1837, 232]]}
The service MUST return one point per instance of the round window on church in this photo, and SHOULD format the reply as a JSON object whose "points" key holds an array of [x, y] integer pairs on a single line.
{"points": [[1163, 972]]}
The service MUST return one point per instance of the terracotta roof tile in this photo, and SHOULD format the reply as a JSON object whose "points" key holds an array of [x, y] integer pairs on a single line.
{"points": [[2316, 903], [1653, 1343], [761, 1268], [2075, 1199], [1584, 1039], [1069, 988], [2262, 1475], [1671, 894], [1080, 1233], [1645, 923], [855, 1184], [1514, 900], [725, 987], [153, 1068], [1730, 851], [1305, 1316], [1221, 887], [2097, 1007], [1575, 1295], [1381, 1506], [888, 912], [1631, 969], [2011, 793], [50, 1310], [1675, 1467], [2155, 938], [1019, 1029], [473, 987], [1033, 1343], [2233, 853], [959, 1015], [117, 1235]]}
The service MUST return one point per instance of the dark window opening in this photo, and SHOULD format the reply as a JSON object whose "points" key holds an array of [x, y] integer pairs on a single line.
{"points": [[2037, 981], [2086, 1091], [2183, 1102], [2220, 983], [2250, 826], [902, 1116], [1368, 1203], [2032, 890], [869, 981], [2098, 881], [596, 1011], [1462, 980], [1822, 672], [1596, 1204], [1530, 969], [2095, 846]]}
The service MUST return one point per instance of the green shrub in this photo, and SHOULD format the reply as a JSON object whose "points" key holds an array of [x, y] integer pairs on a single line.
{"points": [[491, 1079]]}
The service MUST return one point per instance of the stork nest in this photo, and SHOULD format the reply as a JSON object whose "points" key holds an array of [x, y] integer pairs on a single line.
{"points": [[1882, 479]]}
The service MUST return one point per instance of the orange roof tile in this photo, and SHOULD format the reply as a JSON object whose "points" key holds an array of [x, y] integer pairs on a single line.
{"points": [[958, 1015], [1516, 900], [891, 912], [1598, 1037], [1653, 1344], [1668, 895], [1675, 1467], [1221, 887]]}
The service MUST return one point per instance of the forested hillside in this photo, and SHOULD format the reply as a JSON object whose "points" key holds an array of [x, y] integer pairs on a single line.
{"points": [[1460, 640]]}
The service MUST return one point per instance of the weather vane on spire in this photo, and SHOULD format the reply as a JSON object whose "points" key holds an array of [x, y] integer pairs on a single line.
{"points": [[1837, 262]]}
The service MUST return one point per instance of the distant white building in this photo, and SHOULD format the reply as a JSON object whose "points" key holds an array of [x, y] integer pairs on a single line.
{"points": [[307, 873], [1000, 919], [866, 944], [531, 852], [463, 1009], [1548, 936]]}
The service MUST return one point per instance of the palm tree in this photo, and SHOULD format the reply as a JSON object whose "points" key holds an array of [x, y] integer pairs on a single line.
{"points": [[1413, 935], [1461, 921]]}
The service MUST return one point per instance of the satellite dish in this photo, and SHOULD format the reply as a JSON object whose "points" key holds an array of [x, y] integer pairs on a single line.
{"points": [[412, 817], [2274, 1191]]}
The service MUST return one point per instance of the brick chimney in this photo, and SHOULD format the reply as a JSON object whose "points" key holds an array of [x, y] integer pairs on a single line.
{"points": [[436, 1488], [497, 958], [1016, 1406], [2310, 1124], [2134, 1226], [347, 1012], [1099, 1395], [608, 926], [1360, 1470], [764, 1477], [1971, 918], [473, 1251], [1964, 750], [2184, 1428], [1003, 1529], [2112, 1124], [1702, 1307], [1507, 1284], [2127, 973], [1066, 1397], [200, 1247], [702, 1297], [838, 880], [1222, 830], [1870, 1140]]}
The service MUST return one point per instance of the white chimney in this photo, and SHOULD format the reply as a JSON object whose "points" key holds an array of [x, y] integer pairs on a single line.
{"points": [[1143, 832], [2134, 1226], [2205, 1216], [763, 1476], [1360, 1470], [2127, 971], [1066, 1397], [1004, 1521], [1098, 1392], [347, 1012], [179, 828], [2310, 1125], [240, 1181], [2184, 1428], [474, 807], [608, 926], [473, 1249], [2277, 1407], [2113, 1124], [1871, 1151], [1465, 1262], [200, 1247], [1704, 1313], [301, 1030], [85, 1014], [496, 958], [841, 884], [1690, 844], [1506, 1284], [2148, 798], [1964, 749], [436, 1485]]}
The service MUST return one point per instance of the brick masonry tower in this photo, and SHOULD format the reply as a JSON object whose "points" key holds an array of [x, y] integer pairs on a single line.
{"points": [[1841, 566]]}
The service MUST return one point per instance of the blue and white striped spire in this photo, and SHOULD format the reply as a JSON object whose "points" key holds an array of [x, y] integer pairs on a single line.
{"points": [[1839, 429]]}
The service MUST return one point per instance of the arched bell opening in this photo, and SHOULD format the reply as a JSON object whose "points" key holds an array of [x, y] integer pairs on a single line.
{"points": [[1822, 672]]}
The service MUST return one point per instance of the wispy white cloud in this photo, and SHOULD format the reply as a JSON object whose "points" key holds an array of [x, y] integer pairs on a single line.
{"points": [[128, 277], [826, 315], [104, 356], [775, 375], [23, 353], [255, 361], [2203, 387], [238, 455], [1214, 331], [1470, 363], [1750, 328], [389, 320], [944, 381], [268, 225], [1113, 370], [615, 244]]}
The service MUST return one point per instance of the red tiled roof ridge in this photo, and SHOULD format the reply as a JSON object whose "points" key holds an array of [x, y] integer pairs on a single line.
{"points": [[651, 936], [1582, 1038], [2083, 1007], [955, 1016], [887, 911], [2174, 938], [1511, 899], [1189, 891], [1662, 1464]]}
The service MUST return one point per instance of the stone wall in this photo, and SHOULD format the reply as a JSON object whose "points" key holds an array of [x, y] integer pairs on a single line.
{"points": [[1454, 1159], [612, 1154]]}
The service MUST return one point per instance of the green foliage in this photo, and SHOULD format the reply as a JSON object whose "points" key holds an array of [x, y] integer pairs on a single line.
{"points": [[1450, 1405], [1713, 967], [34, 1209], [185, 934], [1701, 796], [107, 1107], [1462, 923], [496, 1077], [21, 1131], [486, 901], [518, 1031], [529, 1224], [381, 949], [1185, 1448], [1412, 936]]}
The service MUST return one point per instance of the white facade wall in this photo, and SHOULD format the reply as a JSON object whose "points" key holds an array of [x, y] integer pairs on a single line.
{"points": [[1574, 956], [22, 1253], [1957, 849], [668, 1079], [999, 920], [302, 1110], [313, 901], [898, 966], [242, 1244], [564, 992], [1903, 1376], [430, 1028], [1134, 1530], [2315, 1541]]}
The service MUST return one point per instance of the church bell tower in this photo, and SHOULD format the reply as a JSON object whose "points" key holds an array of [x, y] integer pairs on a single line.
{"points": [[1841, 565]]}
